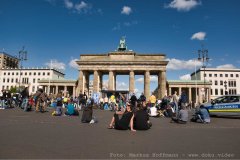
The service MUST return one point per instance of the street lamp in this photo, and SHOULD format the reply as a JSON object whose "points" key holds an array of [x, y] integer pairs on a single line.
{"points": [[203, 57], [22, 56], [225, 85]]}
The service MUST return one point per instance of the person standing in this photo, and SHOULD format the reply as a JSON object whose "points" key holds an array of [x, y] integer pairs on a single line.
{"points": [[25, 96], [2, 104], [152, 100], [183, 99], [175, 99]]}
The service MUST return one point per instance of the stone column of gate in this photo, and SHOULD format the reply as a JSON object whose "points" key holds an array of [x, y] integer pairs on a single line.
{"points": [[209, 94], [111, 80], [56, 89], [147, 84], [85, 82], [190, 95], [161, 84], [131, 82], [114, 81], [100, 82], [199, 95], [65, 91], [74, 91], [95, 82], [80, 83], [169, 91]]}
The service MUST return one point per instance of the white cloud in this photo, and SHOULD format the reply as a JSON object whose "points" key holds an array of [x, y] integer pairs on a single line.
{"points": [[56, 64], [126, 10], [68, 4], [127, 24], [199, 36], [140, 80], [183, 5], [185, 77], [81, 7], [52, 2], [152, 79], [119, 26], [227, 66], [73, 63], [176, 64], [122, 86]]}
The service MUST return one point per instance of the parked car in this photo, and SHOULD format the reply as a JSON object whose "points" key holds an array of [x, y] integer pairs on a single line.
{"points": [[228, 105]]}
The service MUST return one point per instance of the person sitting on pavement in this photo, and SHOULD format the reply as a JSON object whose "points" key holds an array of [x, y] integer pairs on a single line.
{"points": [[140, 119], [153, 112], [87, 114], [182, 116], [58, 110], [71, 111], [123, 123], [201, 115]]}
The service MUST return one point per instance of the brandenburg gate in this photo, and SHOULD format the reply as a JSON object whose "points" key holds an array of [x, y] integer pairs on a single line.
{"points": [[121, 62]]}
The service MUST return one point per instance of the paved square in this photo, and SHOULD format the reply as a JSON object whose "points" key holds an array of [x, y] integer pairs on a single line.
{"points": [[39, 135]]}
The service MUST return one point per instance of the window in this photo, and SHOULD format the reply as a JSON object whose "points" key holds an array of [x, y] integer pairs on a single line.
{"points": [[30, 73], [216, 83], [221, 83], [16, 80], [216, 92], [33, 89], [4, 73], [48, 73], [34, 80], [8, 80], [43, 73], [25, 73], [17, 73], [226, 75], [210, 75], [221, 92], [34, 73], [205, 75], [231, 75], [237, 75], [3, 80], [12, 73], [232, 83], [215, 75], [21, 73], [39, 73], [12, 80], [221, 75], [8, 73]]}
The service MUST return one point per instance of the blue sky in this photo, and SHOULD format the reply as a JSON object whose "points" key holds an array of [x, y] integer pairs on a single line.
{"points": [[61, 30]]}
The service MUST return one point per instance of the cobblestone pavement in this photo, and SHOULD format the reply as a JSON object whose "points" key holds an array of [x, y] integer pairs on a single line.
{"points": [[30, 135]]}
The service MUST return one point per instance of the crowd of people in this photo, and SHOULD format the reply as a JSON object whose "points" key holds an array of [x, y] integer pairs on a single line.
{"points": [[129, 113]]}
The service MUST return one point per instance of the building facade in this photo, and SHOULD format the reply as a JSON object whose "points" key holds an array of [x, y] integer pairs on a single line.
{"points": [[10, 77], [224, 81], [8, 61]]}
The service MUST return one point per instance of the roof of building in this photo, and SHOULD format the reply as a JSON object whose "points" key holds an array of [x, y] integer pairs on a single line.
{"points": [[188, 82], [9, 55], [57, 81], [26, 69], [217, 70]]}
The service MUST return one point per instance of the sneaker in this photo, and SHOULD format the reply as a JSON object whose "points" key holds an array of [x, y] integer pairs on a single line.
{"points": [[92, 121]]}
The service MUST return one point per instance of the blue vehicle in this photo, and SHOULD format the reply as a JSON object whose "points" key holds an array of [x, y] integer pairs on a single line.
{"points": [[228, 105]]}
